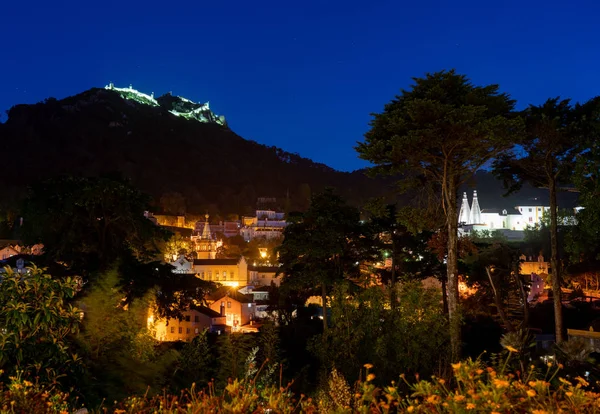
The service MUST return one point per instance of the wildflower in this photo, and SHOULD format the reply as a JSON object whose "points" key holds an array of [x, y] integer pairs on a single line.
{"points": [[470, 406], [549, 364], [368, 366], [511, 349], [479, 371], [582, 381], [410, 409], [442, 381], [569, 394], [561, 366], [539, 412], [370, 377], [456, 366], [433, 399], [27, 383], [531, 393], [501, 383], [459, 398], [564, 381]]}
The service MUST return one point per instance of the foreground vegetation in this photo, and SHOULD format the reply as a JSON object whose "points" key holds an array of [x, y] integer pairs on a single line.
{"points": [[472, 388]]}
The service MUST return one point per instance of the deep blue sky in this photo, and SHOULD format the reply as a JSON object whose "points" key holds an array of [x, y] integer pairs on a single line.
{"points": [[301, 75]]}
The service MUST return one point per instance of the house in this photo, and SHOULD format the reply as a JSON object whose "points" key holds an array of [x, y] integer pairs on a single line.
{"points": [[267, 224], [194, 320], [183, 265], [10, 248], [538, 271], [228, 272], [260, 296], [263, 275], [239, 309], [9, 251]]}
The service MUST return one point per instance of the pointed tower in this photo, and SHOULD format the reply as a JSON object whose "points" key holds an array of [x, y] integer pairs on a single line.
{"points": [[475, 216], [206, 234], [465, 212], [206, 244]]}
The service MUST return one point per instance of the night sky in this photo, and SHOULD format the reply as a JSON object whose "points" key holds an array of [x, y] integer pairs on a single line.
{"points": [[301, 75]]}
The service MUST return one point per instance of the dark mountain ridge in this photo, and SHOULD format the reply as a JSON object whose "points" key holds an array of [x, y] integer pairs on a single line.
{"points": [[173, 146], [98, 132]]}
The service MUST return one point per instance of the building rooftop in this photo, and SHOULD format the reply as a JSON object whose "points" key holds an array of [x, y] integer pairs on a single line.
{"points": [[231, 293], [206, 311], [216, 262]]}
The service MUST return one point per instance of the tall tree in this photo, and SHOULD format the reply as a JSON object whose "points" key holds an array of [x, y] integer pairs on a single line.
{"points": [[441, 132], [583, 241], [551, 147], [323, 248]]}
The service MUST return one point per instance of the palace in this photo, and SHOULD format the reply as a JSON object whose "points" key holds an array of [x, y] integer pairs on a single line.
{"points": [[510, 221]]}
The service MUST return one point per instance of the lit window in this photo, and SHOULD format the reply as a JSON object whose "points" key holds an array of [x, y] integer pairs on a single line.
{"points": [[231, 275], [222, 303], [196, 331], [203, 275], [229, 304], [249, 305]]}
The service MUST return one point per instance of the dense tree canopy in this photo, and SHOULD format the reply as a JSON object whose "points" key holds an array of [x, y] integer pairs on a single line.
{"points": [[90, 222], [552, 142], [326, 246]]}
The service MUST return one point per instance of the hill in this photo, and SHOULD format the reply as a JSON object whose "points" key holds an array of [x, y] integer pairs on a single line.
{"points": [[183, 155], [170, 147]]}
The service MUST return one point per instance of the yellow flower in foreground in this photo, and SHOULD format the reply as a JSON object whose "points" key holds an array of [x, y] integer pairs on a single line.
{"points": [[368, 366], [470, 406], [456, 366], [410, 409], [433, 399], [501, 383], [511, 349], [539, 412], [370, 377], [459, 398], [531, 393]]}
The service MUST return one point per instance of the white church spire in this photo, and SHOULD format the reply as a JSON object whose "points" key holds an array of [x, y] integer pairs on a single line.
{"points": [[465, 212], [475, 215], [206, 234]]}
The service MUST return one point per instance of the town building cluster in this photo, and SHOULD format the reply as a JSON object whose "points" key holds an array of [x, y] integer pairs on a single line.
{"points": [[242, 300]]}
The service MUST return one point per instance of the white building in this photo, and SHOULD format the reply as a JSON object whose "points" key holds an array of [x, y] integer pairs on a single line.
{"points": [[472, 217], [267, 224]]}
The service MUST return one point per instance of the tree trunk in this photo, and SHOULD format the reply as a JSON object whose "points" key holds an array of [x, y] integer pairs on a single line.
{"points": [[556, 290], [523, 293], [444, 295], [393, 299], [498, 302], [324, 299], [452, 269]]}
